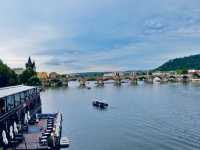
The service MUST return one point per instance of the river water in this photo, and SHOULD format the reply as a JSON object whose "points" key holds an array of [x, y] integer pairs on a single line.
{"points": [[142, 117]]}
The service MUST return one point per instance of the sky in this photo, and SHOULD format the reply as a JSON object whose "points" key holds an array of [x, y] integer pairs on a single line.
{"points": [[69, 36]]}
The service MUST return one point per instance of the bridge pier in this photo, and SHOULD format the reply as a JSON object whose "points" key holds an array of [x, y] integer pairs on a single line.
{"points": [[149, 80], [117, 82], [133, 79], [82, 82], [117, 79], [100, 82], [65, 82]]}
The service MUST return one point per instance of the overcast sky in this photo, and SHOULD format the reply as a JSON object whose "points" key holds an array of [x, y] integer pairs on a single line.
{"points": [[97, 35]]}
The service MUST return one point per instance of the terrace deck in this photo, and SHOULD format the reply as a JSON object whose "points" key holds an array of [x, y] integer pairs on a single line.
{"points": [[32, 137]]}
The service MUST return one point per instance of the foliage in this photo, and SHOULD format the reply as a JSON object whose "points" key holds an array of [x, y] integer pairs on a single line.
{"points": [[55, 82], [29, 76], [34, 81], [181, 71], [195, 75], [185, 63], [26, 75], [7, 76], [91, 74]]}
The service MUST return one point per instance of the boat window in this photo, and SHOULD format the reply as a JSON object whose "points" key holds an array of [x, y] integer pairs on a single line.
{"points": [[2, 106], [17, 99], [10, 102], [26, 95], [22, 94], [31, 92]]}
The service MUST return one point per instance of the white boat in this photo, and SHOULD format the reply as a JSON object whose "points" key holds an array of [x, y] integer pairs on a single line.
{"points": [[64, 142], [156, 80]]}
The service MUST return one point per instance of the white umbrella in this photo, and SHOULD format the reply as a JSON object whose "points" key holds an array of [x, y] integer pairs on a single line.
{"points": [[36, 117], [15, 128], [11, 132], [5, 140], [25, 118], [57, 131], [28, 115]]}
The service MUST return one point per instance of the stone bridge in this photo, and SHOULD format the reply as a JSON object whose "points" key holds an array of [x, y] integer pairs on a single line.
{"points": [[119, 79]]}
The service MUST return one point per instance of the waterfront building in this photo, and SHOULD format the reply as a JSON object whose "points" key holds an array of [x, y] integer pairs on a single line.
{"points": [[53, 75], [107, 75], [118, 74], [192, 71], [42, 75], [15, 102]]}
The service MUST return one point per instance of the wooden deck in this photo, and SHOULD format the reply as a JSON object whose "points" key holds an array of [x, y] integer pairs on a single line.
{"points": [[31, 141]]}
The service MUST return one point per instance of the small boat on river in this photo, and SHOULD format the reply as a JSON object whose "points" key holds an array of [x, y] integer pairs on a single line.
{"points": [[89, 88], [64, 142], [99, 104]]}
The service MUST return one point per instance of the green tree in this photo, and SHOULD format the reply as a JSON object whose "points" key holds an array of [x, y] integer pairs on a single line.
{"points": [[7, 76], [34, 81], [196, 76], [26, 75], [190, 62], [181, 71]]}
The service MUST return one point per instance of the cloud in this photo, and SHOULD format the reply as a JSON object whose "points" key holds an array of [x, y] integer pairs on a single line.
{"points": [[59, 62], [191, 31], [155, 25], [18, 46], [90, 35]]}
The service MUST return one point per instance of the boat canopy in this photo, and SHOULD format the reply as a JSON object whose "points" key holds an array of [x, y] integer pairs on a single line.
{"points": [[11, 90]]}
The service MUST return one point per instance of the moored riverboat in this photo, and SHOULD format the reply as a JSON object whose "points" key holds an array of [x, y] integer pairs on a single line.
{"points": [[18, 104], [22, 124]]}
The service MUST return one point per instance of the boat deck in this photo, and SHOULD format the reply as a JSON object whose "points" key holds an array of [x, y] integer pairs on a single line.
{"points": [[32, 137]]}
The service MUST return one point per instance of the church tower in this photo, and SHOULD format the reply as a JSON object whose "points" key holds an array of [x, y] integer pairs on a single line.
{"points": [[30, 64]]}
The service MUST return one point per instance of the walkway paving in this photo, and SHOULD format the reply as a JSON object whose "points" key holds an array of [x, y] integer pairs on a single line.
{"points": [[32, 137]]}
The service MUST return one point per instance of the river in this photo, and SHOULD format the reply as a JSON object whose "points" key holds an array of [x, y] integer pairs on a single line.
{"points": [[139, 117]]}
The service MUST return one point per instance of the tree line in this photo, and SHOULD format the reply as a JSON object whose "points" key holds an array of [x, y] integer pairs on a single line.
{"points": [[9, 78], [181, 64]]}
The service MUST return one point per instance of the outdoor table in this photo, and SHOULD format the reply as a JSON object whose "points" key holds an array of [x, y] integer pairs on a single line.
{"points": [[44, 141], [19, 135], [50, 124], [20, 139], [50, 117], [46, 133], [49, 128], [43, 137], [50, 120]]}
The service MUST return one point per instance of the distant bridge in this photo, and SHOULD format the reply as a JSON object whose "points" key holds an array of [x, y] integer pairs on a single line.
{"points": [[119, 79]]}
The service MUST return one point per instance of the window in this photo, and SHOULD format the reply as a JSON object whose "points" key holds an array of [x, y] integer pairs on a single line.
{"points": [[22, 97], [17, 99], [10, 103], [2, 106]]}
